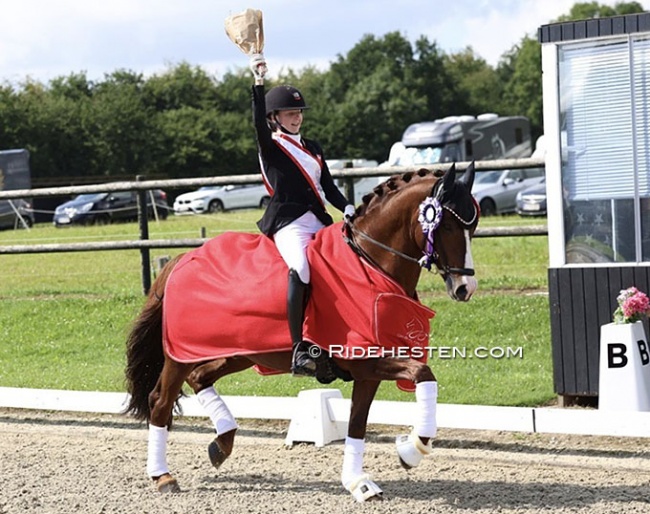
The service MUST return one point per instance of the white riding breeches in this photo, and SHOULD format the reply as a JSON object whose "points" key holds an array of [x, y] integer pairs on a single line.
{"points": [[292, 241]]}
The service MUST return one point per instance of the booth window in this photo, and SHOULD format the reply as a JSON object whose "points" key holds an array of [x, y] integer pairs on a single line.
{"points": [[605, 174]]}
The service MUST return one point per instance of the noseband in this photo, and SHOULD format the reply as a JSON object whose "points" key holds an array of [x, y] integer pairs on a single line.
{"points": [[430, 217]]}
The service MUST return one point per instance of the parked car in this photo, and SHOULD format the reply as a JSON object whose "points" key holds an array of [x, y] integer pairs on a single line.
{"points": [[103, 208], [16, 213], [220, 198], [496, 191], [532, 201]]}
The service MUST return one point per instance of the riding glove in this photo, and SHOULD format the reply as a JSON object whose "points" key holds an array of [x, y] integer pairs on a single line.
{"points": [[257, 64]]}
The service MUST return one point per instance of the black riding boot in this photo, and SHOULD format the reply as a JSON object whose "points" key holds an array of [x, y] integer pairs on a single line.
{"points": [[302, 364]]}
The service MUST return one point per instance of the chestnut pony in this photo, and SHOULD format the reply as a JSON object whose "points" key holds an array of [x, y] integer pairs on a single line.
{"points": [[413, 220]]}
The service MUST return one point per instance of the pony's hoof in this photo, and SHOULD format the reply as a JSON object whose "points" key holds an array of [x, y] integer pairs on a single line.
{"points": [[216, 454], [364, 489], [404, 464], [411, 450], [167, 484]]}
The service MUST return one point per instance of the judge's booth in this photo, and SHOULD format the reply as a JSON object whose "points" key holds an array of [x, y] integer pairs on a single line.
{"points": [[596, 87]]}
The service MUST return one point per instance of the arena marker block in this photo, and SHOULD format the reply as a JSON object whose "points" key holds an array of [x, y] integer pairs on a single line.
{"points": [[624, 382], [313, 421]]}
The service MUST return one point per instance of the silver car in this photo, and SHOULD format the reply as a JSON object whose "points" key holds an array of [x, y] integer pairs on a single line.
{"points": [[532, 201], [220, 198], [496, 191]]}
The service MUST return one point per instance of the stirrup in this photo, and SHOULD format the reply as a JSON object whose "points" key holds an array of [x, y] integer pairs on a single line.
{"points": [[363, 488]]}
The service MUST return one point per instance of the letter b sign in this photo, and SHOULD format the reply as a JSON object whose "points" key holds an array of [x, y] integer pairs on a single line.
{"points": [[617, 358], [643, 352]]}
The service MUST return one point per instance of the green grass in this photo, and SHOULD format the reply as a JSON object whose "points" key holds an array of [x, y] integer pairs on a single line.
{"points": [[499, 323], [64, 317], [65, 343]]}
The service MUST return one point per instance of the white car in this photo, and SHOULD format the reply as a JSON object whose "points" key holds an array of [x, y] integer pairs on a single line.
{"points": [[221, 198]]}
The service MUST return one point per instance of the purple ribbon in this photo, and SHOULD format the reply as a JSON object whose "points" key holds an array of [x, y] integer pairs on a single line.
{"points": [[430, 217]]}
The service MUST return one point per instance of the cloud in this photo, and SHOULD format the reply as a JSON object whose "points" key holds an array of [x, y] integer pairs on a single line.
{"points": [[46, 39], [494, 28]]}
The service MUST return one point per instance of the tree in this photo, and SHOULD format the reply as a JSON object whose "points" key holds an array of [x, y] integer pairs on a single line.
{"points": [[237, 144], [10, 120], [589, 10], [522, 94], [373, 116], [476, 85], [369, 96], [203, 126], [433, 81], [181, 86], [123, 134], [53, 127], [75, 87]]}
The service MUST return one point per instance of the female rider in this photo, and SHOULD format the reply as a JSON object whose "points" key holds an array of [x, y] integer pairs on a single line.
{"points": [[299, 181]]}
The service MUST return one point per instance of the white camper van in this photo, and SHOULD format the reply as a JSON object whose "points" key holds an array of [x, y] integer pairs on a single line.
{"points": [[463, 138]]}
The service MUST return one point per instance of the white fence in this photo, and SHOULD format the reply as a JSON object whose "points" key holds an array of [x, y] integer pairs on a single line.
{"points": [[144, 244], [320, 416]]}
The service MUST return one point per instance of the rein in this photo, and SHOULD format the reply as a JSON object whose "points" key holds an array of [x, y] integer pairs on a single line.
{"points": [[430, 217], [354, 230]]}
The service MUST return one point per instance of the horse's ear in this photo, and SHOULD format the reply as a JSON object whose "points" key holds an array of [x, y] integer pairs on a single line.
{"points": [[448, 180], [468, 176]]}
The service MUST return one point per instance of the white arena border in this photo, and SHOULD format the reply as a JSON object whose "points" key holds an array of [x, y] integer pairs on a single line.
{"points": [[320, 415]]}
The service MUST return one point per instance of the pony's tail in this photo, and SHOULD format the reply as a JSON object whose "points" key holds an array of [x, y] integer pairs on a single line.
{"points": [[144, 350]]}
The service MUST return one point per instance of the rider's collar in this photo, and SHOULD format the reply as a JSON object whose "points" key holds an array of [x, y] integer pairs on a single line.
{"points": [[296, 137]]}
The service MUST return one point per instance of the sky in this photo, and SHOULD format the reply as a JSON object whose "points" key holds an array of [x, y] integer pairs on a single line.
{"points": [[45, 39]]}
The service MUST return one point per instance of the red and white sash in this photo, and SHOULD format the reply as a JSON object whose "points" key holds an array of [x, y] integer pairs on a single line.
{"points": [[310, 165]]}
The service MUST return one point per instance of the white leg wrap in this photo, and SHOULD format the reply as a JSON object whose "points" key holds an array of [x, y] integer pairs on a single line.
{"points": [[426, 397], [216, 408], [352, 460], [157, 451], [358, 483], [410, 448]]}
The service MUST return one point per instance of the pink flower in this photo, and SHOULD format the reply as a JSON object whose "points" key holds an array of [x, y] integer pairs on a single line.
{"points": [[632, 306]]}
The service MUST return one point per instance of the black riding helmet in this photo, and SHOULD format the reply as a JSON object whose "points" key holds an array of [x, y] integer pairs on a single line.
{"points": [[284, 98]]}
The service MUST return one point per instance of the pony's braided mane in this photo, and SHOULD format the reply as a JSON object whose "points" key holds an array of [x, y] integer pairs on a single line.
{"points": [[394, 183]]}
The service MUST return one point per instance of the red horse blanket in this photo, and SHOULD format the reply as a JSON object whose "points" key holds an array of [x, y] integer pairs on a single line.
{"points": [[228, 298]]}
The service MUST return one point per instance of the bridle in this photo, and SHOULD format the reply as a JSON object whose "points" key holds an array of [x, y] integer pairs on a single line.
{"points": [[430, 217]]}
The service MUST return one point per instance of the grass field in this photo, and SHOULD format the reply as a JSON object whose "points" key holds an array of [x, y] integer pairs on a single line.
{"points": [[64, 316]]}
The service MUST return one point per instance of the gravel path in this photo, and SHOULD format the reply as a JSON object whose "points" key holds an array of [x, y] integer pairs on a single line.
{"points": [[67, 463]]}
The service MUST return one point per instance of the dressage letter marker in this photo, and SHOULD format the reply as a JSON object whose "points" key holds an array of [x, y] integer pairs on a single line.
{"points": [[624, 368]]}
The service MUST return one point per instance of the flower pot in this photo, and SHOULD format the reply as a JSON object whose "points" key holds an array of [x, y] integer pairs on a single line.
{"points": [[624, 383]]}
